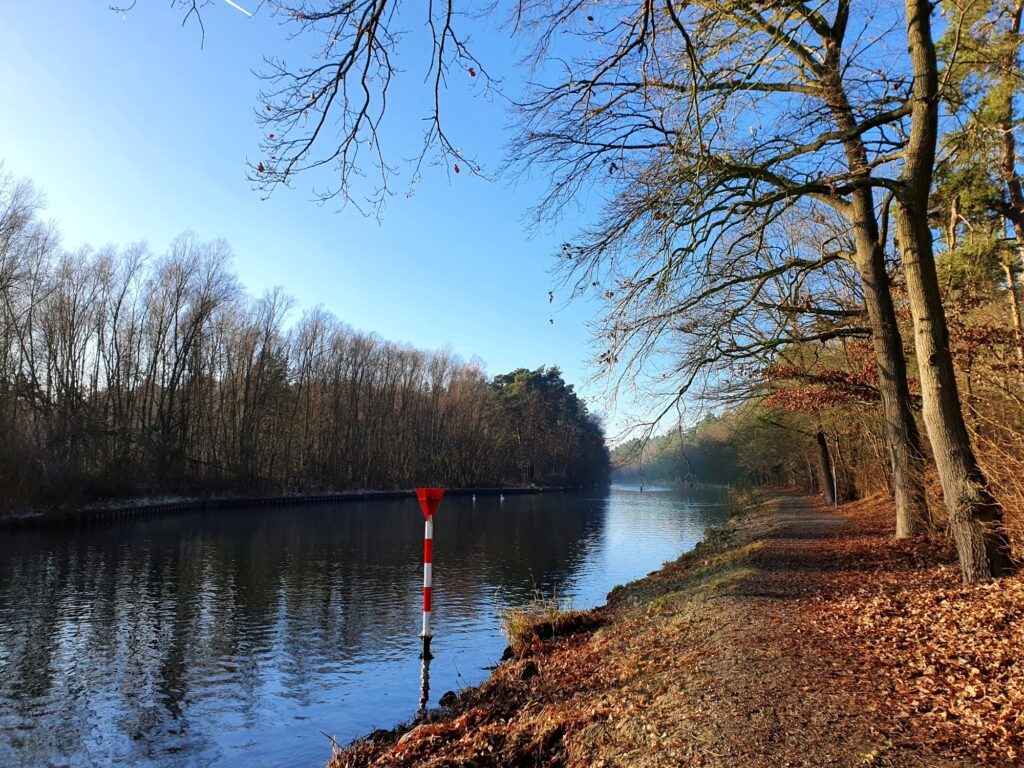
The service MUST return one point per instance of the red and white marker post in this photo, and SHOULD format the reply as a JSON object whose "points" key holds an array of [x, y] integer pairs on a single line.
{"points": [[430, 499]]}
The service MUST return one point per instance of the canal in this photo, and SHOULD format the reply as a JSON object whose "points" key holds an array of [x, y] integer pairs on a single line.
{"points": [[242, 637]]}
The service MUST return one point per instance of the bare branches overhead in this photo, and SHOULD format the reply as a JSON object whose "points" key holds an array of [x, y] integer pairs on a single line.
{"points": [[326, 116], [720, 135], [330, 111]]}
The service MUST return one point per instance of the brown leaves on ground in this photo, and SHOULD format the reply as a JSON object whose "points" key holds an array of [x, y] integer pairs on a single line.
{"points": [[514, 718], [793, 638], [948, 659]]}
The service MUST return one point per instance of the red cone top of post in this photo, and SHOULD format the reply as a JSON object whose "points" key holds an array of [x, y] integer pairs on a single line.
{"points": [[429, 498]]}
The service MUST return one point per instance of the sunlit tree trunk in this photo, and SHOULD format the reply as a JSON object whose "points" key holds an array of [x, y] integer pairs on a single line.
{"points": [[975, 516], [827, 470], [902, 436], [1014, 212]]}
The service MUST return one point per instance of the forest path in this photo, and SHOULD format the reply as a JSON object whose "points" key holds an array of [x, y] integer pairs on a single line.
{"points": [[756, 687], [766, 689]]}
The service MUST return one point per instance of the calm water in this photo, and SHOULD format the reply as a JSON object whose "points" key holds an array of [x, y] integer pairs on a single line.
{"points": [[236, 638]]}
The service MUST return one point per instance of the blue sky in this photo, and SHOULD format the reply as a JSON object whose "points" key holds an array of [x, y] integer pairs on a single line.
{"points": [[135, 131]]}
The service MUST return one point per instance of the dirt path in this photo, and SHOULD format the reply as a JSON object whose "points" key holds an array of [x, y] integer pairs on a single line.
{"points": [[710, 661], [772, 698], [759, 691]]}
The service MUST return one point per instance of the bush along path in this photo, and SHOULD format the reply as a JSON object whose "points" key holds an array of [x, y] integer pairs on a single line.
{"points": [[794, 636]]}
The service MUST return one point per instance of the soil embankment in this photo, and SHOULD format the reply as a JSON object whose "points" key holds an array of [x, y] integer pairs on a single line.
{"points": [[796, 636]]}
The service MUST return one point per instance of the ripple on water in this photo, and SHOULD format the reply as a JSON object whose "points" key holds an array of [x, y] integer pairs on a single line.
{"points": [[236, 638]]}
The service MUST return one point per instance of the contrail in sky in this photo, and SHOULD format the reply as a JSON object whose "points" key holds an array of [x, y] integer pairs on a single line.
{"points": [[237, 7]]}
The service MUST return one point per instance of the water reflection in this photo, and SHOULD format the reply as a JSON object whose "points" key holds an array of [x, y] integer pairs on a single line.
{"points": [[424, 683], [236, 638]]}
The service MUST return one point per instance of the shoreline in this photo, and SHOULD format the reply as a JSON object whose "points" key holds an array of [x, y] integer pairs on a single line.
{"points": [[768, 644], [383, 745], [131, 509]]}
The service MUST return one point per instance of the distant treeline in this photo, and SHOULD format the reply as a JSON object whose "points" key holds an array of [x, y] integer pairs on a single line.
{"points": [[704, 454], [124, 374]]}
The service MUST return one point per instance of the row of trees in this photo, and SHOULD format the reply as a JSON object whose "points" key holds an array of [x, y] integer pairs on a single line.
{"points": [[769, 171], [124, 374], [703, 454], [813, 416], [772, 171]]}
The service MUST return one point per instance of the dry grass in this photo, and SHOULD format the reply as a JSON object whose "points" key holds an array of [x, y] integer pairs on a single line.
{"points": [[740, 499], [1000, 447], [538, 618]]}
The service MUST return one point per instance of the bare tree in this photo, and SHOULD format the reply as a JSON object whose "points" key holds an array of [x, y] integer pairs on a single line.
{"points": [[707, 119], [124, 375], [331, 111], [976, 517]]}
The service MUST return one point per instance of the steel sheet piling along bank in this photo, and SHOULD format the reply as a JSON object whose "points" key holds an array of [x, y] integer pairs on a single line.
{"points": [[430, 499]]}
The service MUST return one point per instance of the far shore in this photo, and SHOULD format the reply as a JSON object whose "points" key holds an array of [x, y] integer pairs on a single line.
{"points": [[127, 509]]}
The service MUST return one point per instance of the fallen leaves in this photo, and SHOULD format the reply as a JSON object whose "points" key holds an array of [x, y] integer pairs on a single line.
{"points": [[822, 641], [948, 659]]}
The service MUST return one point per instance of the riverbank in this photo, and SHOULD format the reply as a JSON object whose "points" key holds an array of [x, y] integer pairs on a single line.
{"points": [[140, 508], [796, 635]]}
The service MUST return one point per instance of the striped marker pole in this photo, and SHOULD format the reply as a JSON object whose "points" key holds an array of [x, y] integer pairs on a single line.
{"points": [[429, 499]]}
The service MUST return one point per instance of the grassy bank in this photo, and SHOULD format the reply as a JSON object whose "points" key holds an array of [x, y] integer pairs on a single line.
{"points": [[571, 673], [751, 650]]}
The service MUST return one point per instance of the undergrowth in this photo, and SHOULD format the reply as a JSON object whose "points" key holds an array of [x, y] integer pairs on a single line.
{"points": [[740, 500], [544, 617]]}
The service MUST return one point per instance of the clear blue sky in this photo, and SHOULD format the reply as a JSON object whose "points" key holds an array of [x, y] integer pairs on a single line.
{"points": [[136, 132]]}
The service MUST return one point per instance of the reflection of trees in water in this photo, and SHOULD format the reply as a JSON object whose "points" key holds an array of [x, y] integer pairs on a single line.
{"points": [[125, 638], [123, 634], [81, 643], [698, 507], [527, 540]]}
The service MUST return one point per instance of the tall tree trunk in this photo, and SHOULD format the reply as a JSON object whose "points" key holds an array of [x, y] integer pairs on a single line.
{"points": [[975, 516], [827, 471], [1014, 190], [901, 432], [1018, 330]]}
